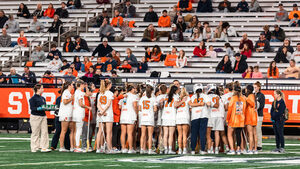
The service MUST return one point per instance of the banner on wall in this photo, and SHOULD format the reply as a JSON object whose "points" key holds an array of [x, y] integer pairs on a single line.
{"points": [[15, 103]]}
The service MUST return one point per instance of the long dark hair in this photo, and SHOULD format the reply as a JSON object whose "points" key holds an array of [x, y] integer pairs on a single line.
{"points": [[228, 45], [198, 92], [171, 93], [272, 71], [250, 90], [237, 91], [75, 59], [158, 49], [149, 90], [65, 86]]}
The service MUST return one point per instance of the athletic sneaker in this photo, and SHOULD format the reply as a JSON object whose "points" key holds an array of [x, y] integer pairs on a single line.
{"points": [[193, 152], [216, 150], [184, 152], [231, 152], [71, 149], [227, 149], [125, 151], [243, 152], [98, 151], [110, 151], [255, 152], [151, 152], [142, 151], [276, 150], [90, 150], [203, 152], [132, 152], [78, 150], [281, 150], [117, 151], [179, 151], [166, 151], [171, 152], [45, 150], [249, 152], [238, 152], [63, 150]]}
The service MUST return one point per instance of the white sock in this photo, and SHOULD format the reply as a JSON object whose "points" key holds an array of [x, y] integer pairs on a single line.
{"points": [[166, 148], [184, 149], [170, 148]]}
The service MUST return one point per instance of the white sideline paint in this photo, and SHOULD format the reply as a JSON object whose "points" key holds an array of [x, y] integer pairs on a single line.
{"points": [[114, 165], [13, 138], [72, 164], [295, 161], [152, 167], [273, 166]]}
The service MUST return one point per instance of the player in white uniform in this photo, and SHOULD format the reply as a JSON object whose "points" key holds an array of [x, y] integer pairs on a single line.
{"points": [[147, 108], [183, 121], [93, 98], [79, 113], [129, 111], [105, 115], [65, 115], [199, 118]]}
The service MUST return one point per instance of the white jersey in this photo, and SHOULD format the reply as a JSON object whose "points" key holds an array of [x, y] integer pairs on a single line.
{"points": [[78, 111], [183, 111], [216, 112], [147, 109], [103, 100], [226, 98], [169, 109], [159, 113], [200, 111], [65, 110], [128, 112]]}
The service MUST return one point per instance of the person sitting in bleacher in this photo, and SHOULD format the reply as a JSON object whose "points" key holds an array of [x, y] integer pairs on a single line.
{"points": [[89, 74], [101, 17], [49, 12], [156, 54], [242, 6], [131, 58], [246, 51], [62, 12], [224, 66], [28, 76], [211, 52], [55, 64], [128, 10], [38, 11], [13, 77], [76, 63], [23, 11], [262, 45], [165, 20], [294, 11], [273, 71], [247, 41], [282, 56], [282, 14], [254, 6], [278, 35], [65, 65], [181, 60], [240, 65], [98, 77], [37, 55], [106, 31], [56, 25], [53, 51], [231, 32], [171, 58], [193, 23], [35, 26], [293, 71], [80, 45], [3, 18], [116, 56], [22, 40], [296, 54], [223, 36], [125, 67], [150, 34], [256, 73], [295, 22], [148, 53], [2, 77], [181, 25], [74, 4], [184, 6], [86, 64], [151, 16], [110, 64], [200, 51], [142, 66], [175, 35], [117, 20], [225, 6], [5, 39], [229, 50], [102, 49], [99, 64], [69, 76], [248, 73], [126, 31], [267, 33], [196, 35], [68, 46], [172, 13], [11, 25], [48, 78], [204, 6], [207, 33], [287, 44], [178, 13], [115, 78]]}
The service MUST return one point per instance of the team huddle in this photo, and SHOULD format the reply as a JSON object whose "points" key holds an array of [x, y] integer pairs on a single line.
{"points": [[155, 119]]}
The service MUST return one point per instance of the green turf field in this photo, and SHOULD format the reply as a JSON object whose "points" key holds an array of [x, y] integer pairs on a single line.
{"points": [[15, 154]]}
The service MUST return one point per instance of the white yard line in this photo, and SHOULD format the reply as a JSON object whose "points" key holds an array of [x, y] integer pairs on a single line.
{"points": [[13, 138], [273, 166], [273, 144], [152, 166]]}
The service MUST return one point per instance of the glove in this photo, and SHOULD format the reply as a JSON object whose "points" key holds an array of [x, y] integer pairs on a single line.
{"points": [[40, 109]]}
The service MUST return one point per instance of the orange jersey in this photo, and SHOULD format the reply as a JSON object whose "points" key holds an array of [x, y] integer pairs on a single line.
{"points": [[114, 21], [156, 58], [116, 109], [87, 103], [164, 21], [189, 8], [250, 113], [87, 66], [273, 76], [171, 60], [236, 112]]}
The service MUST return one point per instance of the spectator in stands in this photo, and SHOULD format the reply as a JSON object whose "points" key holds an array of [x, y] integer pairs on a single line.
{"points": [[224, 66], [22, 40], [13, 77], [125, 67], [5, 39], [23, 11], [47, 78], [68, 45], [225, 6], [223, 37], [65, 65], [184, 6], [38, 12], [11, 25], [282, 14], [116, 56], [282, 56], [273, 71], [207, 33], [102, 49], [175, 35], [151, 16], [192, 24], [246, 51], [287, 44], [296, 54], [80, 45], [172, 13], [171, 58], [110, 64], [262, 45], [142, 66], [211, 52], [74, 4], [196, 35], [62, 12], [35, 26], [56, 25], [55, 64], [204, 6], [3, 18], [128, 10], [219, 29], [49, 12], [156, 54], [131, 58], [74, 71], [256, 73], [99, 64], [97, 77], [101, 17], [240, 64], [295, 22], [278, 35], [267, 32], [2, 77], [294, 11], [77, 63], [126, 31], [150, 34], [293, 71], [231, 32], [242, 6], [181, 60], [229, 50], [164, 20], [200, 51], [53, 51], [115, 79], [148, 53], [90, 72], [87, 64], [254, 6], [117, 21], [106, 31], [248, 73], [69, 76], [181, 25], [28, 76], [247, 41], [38, 55]]}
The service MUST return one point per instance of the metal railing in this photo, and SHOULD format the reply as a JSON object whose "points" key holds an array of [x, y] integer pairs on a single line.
{"points": [[10, 59], [73, 27], [36, 39]]}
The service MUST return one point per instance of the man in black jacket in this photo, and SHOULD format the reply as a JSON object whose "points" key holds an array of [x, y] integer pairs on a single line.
{"points": [[28, 76], [260, 104], [102, 49], [81, 45], [3, 18], [151, 16], [240, 64], [62, 12], [53, 51], [128, 10]]}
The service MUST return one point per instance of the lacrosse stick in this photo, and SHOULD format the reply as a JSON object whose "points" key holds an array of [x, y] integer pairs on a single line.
{"points": [[88, 133], [245, 139], [102, 127]]}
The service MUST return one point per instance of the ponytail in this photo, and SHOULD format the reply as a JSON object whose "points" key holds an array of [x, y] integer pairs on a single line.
{"points": [[279, 92], [65, 86], [149, 90], [103, 86], [198, 92], [171, 93]]}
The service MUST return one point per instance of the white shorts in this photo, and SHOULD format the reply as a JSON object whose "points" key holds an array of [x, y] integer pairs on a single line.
{"points": [[65, 118], [77, 119], [105, 119], [182, 121], [171, 123], [217, 123], [209, 123], [127, 121], [146, 123]]}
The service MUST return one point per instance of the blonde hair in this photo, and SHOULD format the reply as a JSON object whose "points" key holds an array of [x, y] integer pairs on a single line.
{"points": [[103, 86], [183, 92]]}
